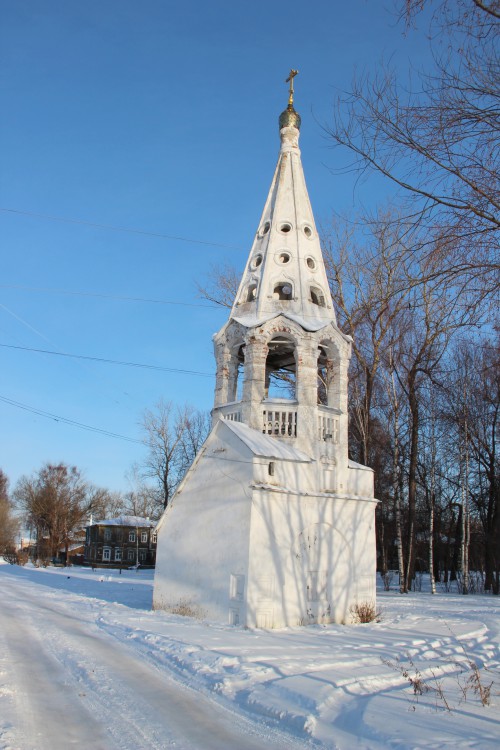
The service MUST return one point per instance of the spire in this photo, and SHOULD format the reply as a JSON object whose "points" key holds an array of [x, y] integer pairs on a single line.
{"points": [[285, 272]]}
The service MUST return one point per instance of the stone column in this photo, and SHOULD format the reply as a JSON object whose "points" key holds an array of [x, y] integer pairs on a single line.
{"points": [[254, 382], [307, 395], [223, 362]]}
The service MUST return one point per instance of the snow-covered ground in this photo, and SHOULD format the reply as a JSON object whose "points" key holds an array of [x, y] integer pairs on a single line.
{"points": [[84, 662]]}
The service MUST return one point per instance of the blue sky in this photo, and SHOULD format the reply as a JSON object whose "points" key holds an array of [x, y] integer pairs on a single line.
{"points": [[162, 117]]}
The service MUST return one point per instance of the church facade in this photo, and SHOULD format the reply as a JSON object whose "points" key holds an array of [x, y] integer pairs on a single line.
{"points": [[273, 525]]}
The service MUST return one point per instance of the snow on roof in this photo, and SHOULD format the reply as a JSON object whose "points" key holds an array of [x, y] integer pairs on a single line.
{"points": [[71, 547], [263, 445], [354, 465], [309, 324], [125, 521]]}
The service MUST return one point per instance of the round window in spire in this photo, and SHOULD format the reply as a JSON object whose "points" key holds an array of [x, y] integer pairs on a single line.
{"points": [[265, 228], [285, 227], [311, 263], [307, 231], [256, 261], [283, 258]]}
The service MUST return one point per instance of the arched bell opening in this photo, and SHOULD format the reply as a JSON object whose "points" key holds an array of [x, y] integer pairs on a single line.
{"points": [[281, 369], [325, 376], [283, 291]]}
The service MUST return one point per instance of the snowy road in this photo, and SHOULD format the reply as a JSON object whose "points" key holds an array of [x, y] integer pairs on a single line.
{"points": [[85, 662], [74, 685]]}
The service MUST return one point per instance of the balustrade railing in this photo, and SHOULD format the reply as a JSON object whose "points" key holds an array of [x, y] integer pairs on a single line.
{"points": [[231, 412], [328, 427], [282, 422]]}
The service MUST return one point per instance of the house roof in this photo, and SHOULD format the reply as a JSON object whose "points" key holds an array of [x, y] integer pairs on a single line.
{"points": [[125, 521], [264, 445]]}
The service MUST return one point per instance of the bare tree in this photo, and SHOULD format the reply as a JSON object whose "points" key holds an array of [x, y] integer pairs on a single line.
{"points": [[472, 411], [56, 503], [435, 316], [438, 138], [173, 436], [104, 503], [221, 286], [9, 525], [370, 286], [142, 499]]}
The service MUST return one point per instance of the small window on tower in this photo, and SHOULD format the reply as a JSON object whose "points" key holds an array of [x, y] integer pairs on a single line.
{"points": [[257, 261], [317, 297], [251, 293], [286, 227], [311, 263], [308, 231], [283, 258]]}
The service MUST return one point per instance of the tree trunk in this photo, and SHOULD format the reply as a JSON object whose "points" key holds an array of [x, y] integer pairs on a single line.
{"points": [[431, 540], [412, 480]]}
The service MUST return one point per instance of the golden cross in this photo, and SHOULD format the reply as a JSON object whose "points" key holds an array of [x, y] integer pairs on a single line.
{"points": [[290, 78]]}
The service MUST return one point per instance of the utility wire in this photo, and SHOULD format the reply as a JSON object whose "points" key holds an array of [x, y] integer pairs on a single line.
{"points": [[106, 296], [109, 361], [117, 229], [71, 422]]}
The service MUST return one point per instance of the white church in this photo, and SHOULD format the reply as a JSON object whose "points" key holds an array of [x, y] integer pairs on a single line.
{"points": [[273, 525]]}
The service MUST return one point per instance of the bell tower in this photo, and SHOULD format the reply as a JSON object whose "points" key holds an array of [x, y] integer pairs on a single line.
{"points": [[272, 524], [281, 358]]}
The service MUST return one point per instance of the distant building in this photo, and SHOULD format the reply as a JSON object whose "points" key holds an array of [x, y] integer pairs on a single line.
{"points": [[122, 541]]}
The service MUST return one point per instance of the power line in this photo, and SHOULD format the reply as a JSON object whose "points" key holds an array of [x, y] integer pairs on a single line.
{"points": [[109, 361], [71, 422], [105, 296], [111, 228]]}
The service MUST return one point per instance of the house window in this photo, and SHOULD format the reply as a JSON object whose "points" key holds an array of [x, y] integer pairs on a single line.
{"points": [[107, 534], [153, 537], [131, 554], [142, 555], [144, 536], [131, 536], [118, 553], [106, 554]]}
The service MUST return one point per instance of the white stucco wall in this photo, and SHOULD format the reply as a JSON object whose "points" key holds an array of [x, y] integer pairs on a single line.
{"points": [[299, 544], [203, 538], [241, 545]]}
